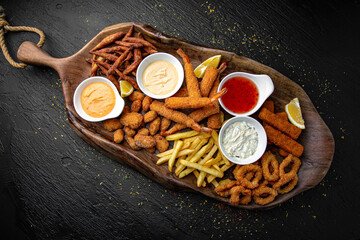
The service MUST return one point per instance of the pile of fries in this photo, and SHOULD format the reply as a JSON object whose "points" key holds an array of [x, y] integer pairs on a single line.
{"points": [[197, 153]]}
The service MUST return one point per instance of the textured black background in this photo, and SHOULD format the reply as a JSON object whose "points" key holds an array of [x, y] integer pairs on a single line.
{"points": [[54, 186]]}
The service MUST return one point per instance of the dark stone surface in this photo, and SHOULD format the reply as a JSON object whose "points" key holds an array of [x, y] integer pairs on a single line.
{"points": [[54, 186]]}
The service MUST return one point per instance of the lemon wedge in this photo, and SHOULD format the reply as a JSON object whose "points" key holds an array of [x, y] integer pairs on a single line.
{"points": [[293, 112], [210, 62], [125, 88]]}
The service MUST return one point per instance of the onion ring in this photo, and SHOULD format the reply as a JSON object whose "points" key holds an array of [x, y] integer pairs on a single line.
{"points": [[296, 162], [288, 181], [238, 191], [266, 160], [244, 170], [224, 189], [263, 190]]}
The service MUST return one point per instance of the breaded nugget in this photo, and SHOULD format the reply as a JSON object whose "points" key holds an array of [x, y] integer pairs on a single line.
{"points": [[143, 131], [154, 126], [150, 116], [161, 143], [144, 141], [132, 143], [146, 103], [132, 120], [151, 150], [279, 123], [136, 95], [165, 124], [118, 136], [135, 106], [130, 132], [112, 124]]}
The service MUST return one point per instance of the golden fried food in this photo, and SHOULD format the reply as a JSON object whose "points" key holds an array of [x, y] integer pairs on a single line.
{"points": [[135, 106], [279, 123], [132, 120], [183, 92], [207, 82], [146, 103], [150, 116], [283, 153], [286, 183], [269, 105], [112, 124], [241, 173], [240, 195], [161, 143], [154, 126], [165, 124], [151, 150], [144, 141], [284, 142], [192, 102], [130, 132], [264, 195], [136, 95], [291, 161], [118, 136], [143, 131], [224, 189], [192, 83], [215, 121], [107, 40], [267, 160], [177, 116], [132, 143]]}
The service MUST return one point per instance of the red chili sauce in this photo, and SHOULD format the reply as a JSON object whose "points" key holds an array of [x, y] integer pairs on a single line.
{"points": [[242, 95]]}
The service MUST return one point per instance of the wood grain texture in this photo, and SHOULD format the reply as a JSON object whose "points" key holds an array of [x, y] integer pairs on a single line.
{"points": [[317, 139]]}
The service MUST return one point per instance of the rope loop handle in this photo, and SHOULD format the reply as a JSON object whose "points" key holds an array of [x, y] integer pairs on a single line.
{"points": [[5, 27]]}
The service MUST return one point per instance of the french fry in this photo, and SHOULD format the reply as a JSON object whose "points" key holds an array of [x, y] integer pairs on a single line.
{"points": [[215, 183], [210, 178], [210, 154], [215, 136], [225, 181], [201, 178], [174, 154], [169, 152], [197, 174], [180, 154], [216, 167], [177, 136], [202, 168]]}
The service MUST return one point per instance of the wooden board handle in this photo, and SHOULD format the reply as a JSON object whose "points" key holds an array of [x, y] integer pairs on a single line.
{"points": [[31, 54]]}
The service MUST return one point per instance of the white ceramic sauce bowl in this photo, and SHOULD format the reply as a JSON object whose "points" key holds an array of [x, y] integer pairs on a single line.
{"points": [[160, 56], [263, 83], [119, 102], [262, 140]]}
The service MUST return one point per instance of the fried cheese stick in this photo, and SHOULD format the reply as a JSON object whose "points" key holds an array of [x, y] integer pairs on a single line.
{"points": [[191, 80], [177, 116]]}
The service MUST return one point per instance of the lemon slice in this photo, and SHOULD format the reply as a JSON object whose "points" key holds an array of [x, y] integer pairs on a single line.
{"points": [[210, 62], [293, 112], [126, 88]]}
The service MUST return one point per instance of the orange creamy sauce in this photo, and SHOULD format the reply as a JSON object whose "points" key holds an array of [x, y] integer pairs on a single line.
{"points": [[98, 99], [160, 77]]}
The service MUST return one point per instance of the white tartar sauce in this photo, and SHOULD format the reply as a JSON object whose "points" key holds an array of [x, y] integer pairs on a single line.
{"points": [[240, 140]]}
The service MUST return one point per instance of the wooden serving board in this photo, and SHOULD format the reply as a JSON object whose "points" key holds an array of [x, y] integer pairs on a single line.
{"points": [[317, 139]]}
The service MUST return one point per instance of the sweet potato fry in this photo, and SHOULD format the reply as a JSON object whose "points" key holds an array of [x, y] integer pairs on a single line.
{"points": [[279, 123], [107, 56], [129, 33], [110, 77], [139, 40], [284, 142], [128, 44], [94, 66], [113, 49], [190, 78], [132, 66], [119, 61], [127, 78], [107, 40], [177, 116]]}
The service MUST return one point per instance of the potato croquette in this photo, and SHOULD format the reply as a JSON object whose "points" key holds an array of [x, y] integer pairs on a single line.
{"points": [[118, 136], [155, 126], [112, 124], [161, 143], [132, 120], [143, 131], [150, 116], [146, 103], [130, 132], [136, 95], [144, 141], [135, 106]]}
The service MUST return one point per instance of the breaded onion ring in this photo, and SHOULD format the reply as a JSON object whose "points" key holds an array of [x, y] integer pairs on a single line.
{"points": [[224, 189], [286, 183], [296, 162], [264, 195], [266, 160], [238, 191], [244, 170]]}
